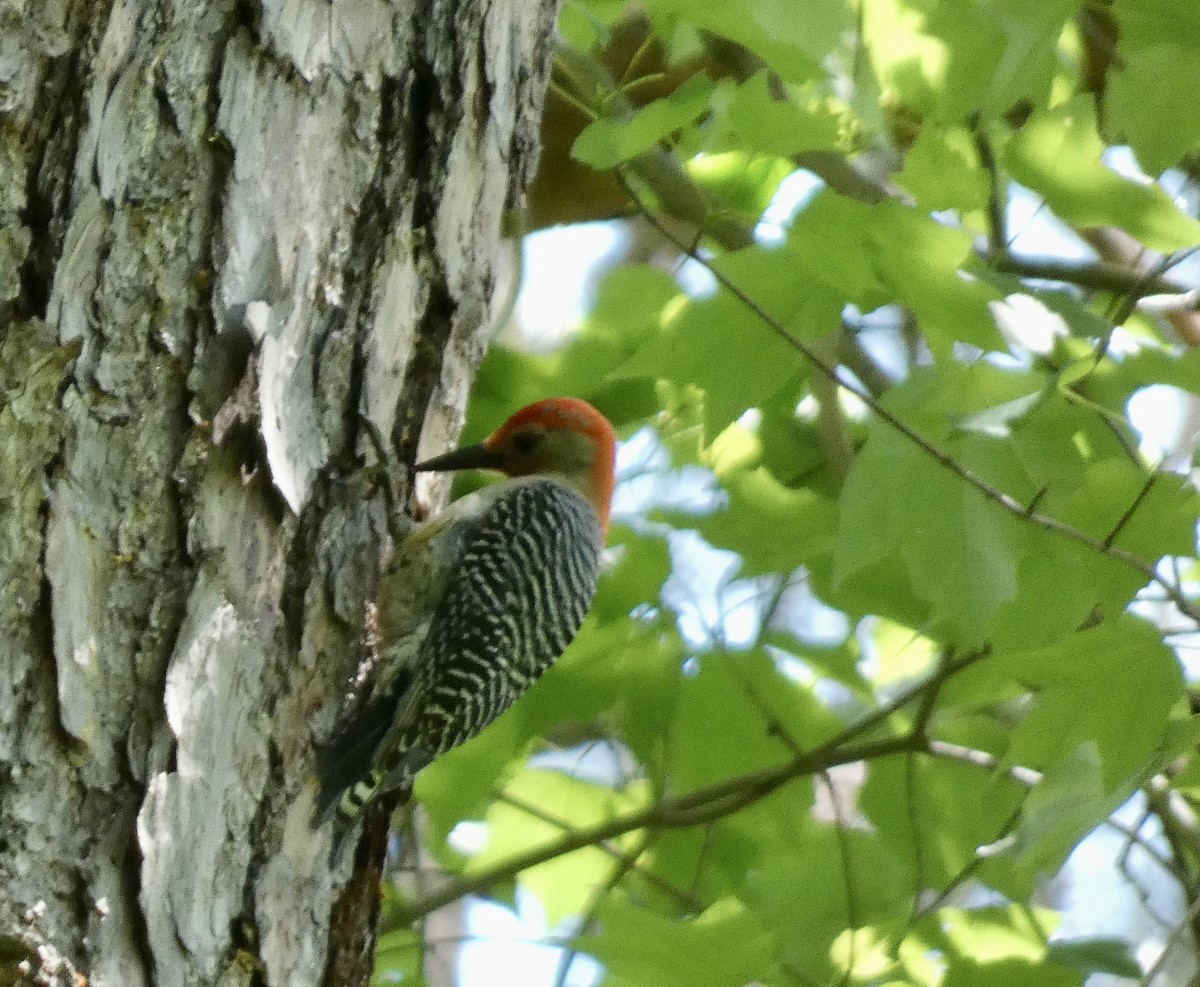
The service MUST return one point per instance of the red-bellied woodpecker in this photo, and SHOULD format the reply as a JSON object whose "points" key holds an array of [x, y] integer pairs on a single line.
{"points": [[504, 576]]}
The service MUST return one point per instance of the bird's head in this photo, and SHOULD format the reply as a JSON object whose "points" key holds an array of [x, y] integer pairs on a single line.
{"points": [[563, 438]]}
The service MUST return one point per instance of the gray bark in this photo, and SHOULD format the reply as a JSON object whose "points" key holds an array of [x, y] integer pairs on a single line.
{"points": [[227, 229]]}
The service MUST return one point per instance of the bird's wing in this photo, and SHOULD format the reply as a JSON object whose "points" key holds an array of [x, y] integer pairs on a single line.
{"points": [[349, 753], [524, 583]]}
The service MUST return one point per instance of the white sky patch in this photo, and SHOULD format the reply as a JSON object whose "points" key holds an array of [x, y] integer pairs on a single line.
{"points": [[600, 762], [1123, 161], [1098, 896], [1168, 421], [793, 194], [559, 265], [645, 481], [697, 281], [1034, 230], [698, 571], [468, 837], [800, 613], [1026, 322], [503, 949]]}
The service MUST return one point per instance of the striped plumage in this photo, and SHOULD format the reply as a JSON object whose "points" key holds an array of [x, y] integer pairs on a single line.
{"points": [[513, 569]]}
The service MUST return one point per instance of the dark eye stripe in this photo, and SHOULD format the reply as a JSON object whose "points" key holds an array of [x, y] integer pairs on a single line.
{"points": [[526, 442]]}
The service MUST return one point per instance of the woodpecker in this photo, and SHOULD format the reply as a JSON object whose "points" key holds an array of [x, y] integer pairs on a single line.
{"points": [[478, 603]]}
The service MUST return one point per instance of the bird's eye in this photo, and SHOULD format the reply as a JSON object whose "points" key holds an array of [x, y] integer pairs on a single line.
{"points": [[526, 442]]}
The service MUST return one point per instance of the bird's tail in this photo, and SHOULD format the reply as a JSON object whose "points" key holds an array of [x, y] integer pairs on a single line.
{"points": [[343, 796]]}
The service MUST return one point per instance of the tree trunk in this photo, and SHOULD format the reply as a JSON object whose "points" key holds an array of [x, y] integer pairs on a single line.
{"points": [[228, 230]]}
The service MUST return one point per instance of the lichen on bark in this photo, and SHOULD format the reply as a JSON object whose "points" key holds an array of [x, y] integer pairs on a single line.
{"points": [[178, 616]]}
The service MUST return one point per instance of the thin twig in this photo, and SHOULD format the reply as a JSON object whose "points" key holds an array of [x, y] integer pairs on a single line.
{"points": [[997, 208], [593, 906], [833, 430], [1135, 840], [982, 759], [1132, 508], [625, 861], [921, 729], [995, 494], [1177, 933], [853, 918], [914, 823]]}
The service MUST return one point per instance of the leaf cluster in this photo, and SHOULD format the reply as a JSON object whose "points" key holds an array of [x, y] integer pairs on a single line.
{"points": [[943, 647]]}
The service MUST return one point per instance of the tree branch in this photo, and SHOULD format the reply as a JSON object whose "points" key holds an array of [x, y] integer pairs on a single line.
{"points": [[1098, 275], [706, 804]]}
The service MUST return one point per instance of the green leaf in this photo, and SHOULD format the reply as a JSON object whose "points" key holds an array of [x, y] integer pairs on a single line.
{"points": [[769, 29], [1095, 956], [942, 171], [1087, 480], [1160, 131], [1162, 522], [998, 947], [629, 307], [624, 673], [817, 882], [1062, 808], [839, 663], [949, 61], [1182, 737], [724, 946], [643, 565], [873, 255], [723, 347], [773, 528], [563, 885], [764, 124], [964, 972], [1112, 384], [958, 548], [738, 181], [898, 654], [460, 783], [938, 812], [756, 708], [991, 934], [1076, 701], [630, 304], [1150, 22], [606, 143], [790, 448], [620, 679], [920, 261], [398, 958], [1057, 154], [828, 240]]}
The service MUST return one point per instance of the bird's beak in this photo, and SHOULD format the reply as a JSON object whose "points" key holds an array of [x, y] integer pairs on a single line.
{"points": [[478, 457]]}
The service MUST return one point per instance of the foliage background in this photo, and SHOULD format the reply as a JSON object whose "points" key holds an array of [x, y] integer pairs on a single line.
{"points": [[1014, 560]]}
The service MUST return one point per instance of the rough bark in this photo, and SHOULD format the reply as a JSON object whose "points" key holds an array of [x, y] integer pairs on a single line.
{"points": [[227, 229]]}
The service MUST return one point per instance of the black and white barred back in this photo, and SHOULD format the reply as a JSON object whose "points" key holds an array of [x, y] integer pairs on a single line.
{"points": [[526, 579]]}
